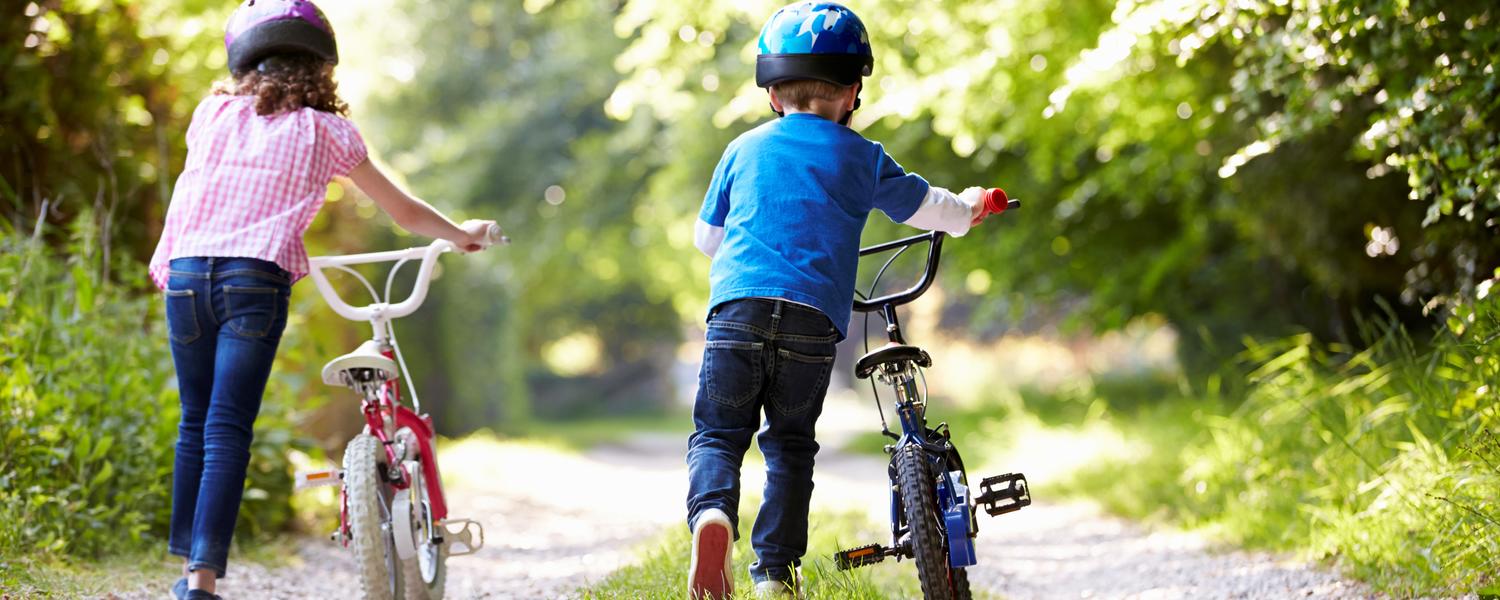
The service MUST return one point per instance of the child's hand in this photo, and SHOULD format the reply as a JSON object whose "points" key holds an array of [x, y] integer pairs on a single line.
{"points": [[476, 235], [974, 197]]}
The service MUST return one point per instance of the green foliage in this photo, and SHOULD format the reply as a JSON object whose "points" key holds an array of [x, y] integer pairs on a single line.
{"points": [[89, 410], [90, 405], [94, 110], [1420, 75], [514, 131], [1384, 459], [92, 123], [1130, 127]]}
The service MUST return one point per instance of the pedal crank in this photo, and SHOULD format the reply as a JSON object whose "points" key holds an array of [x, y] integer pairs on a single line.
{"points": [[1003, 494], [461, 541]]}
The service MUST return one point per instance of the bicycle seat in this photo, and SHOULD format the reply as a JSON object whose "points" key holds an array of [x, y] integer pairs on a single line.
{"points": [[891, 353], [366, 361]]}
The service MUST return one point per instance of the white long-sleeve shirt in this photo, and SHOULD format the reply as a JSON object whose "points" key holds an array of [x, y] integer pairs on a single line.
{"points": [[941, 210]]}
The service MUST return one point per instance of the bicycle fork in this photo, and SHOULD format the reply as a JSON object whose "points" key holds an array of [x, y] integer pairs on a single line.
{"points": [[956, 507]]}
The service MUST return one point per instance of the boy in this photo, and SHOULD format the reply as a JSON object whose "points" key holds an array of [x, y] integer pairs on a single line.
{"points": [[781, 222]]}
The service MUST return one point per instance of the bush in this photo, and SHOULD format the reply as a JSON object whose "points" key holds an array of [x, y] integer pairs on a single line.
{"points": [[1384, 460], [90, 408]]}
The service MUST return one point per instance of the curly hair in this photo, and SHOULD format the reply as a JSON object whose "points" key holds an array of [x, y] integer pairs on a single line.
{"points": [[286, 83]]}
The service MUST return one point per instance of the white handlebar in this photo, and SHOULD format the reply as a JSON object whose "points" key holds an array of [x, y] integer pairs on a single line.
{"points": [[386, 310]]}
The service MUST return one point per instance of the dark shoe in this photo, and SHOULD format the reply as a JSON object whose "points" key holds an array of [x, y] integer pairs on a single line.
{"points": [[179, 589]]}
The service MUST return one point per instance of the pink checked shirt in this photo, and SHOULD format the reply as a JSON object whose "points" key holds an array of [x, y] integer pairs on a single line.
{"points": [[253, 184]]}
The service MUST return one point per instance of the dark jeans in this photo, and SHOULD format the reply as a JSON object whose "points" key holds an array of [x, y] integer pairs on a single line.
{"points": [[772, 356], [225, 317]]}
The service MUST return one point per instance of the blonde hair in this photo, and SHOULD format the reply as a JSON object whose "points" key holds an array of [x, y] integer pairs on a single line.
{"points": [[799, 94]]}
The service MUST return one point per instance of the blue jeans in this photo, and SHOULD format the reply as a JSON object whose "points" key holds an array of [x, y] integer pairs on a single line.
{"points": [[225, 317], [772, 356]]}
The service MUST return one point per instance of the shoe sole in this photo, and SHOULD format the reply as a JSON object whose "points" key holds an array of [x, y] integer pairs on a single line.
{"points": [[710, 577]]}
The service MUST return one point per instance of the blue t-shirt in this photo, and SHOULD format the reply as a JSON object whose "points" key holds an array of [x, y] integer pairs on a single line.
{"points": [[792, 196]]}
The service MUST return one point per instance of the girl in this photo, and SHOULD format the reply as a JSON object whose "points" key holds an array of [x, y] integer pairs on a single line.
{"points": [[261, 151]]}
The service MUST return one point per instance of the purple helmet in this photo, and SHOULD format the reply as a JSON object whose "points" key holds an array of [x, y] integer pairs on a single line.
{"points": [[262, 28]]}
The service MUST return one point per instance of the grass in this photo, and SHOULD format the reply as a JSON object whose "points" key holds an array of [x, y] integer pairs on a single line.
{"points": [[662, 571], [1383, 462], [53, 577], [37, 577]]}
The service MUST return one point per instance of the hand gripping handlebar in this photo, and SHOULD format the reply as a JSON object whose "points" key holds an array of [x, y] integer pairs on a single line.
{"points": [[995, 202]]}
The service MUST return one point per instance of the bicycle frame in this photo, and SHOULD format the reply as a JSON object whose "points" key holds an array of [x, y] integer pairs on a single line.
{"points": [[951, 485], [956, 508], [384, 413]]}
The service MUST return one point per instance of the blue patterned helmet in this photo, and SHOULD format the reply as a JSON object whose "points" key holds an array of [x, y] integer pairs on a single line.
{"points": [[814, 40]]}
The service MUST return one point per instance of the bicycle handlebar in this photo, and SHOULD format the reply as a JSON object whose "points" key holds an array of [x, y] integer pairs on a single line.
{"points": [[934, 252], [428, 254], [992, 205]]}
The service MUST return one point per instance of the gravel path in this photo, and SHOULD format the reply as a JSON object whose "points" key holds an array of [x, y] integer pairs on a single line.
{"points": [[557, 520]]}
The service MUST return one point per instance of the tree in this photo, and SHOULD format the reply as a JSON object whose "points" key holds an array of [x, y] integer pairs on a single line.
{"points": [[1222, 165]]}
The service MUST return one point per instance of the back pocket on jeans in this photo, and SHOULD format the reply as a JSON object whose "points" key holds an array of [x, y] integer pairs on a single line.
{"points": [[801, 379], [252, 310], [182, 316], [731, 371]]}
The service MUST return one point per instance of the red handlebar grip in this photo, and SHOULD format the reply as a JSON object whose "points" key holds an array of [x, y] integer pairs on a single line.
{"points": [[995, 201]]}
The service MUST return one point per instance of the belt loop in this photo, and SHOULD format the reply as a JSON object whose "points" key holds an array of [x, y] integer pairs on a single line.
{"points": [[776, 316]]}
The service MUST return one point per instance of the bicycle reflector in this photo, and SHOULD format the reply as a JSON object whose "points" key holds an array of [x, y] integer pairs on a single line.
{"points": [[1004, 494], [312, 479], [859, 557]]}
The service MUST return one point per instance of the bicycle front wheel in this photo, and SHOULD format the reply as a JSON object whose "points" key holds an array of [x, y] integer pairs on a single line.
{"points": [[925, 529]]}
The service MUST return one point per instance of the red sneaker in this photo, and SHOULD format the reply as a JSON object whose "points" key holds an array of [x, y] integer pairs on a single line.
{"points": [[711, 575]]}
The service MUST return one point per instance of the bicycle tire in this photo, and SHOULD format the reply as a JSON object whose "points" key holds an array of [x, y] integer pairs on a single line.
{"points": [[418, 587], [919, 501], [369, 506], [959, 581]]}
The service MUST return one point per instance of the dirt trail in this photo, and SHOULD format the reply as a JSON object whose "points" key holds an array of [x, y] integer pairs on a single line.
{"points": [[557, 520]]}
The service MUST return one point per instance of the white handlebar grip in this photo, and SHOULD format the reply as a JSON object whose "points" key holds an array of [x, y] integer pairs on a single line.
{"points": [[493, 235]]}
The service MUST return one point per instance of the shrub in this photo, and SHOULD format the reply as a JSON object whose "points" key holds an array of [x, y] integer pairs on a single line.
{"points": [[88, 410], [1384, 460]]}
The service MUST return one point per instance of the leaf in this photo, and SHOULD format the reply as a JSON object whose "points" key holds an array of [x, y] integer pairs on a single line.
{"points": [[102, 476], [105, 443], [84, 290]]}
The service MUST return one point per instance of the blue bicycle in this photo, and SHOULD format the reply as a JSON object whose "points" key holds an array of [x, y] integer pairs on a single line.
{"points": [[933, 510]]}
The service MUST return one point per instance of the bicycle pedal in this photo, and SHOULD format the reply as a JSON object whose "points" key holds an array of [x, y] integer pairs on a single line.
{"points": [[1004, 494], [859, 557], [461, 541], [314, 479]]}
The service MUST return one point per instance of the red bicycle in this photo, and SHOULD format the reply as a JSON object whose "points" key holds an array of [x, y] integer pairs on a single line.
{"points": [[393, 512]]}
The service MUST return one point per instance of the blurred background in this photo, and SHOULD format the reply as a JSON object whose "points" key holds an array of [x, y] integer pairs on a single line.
{"points": [[1258, 243]]}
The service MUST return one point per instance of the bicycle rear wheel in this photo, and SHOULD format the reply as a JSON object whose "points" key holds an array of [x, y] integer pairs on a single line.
{"points": [[919, 501], [369, 517], [959, 581], [425, 573]]}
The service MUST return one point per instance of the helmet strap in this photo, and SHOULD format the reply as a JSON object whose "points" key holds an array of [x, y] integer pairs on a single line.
{"points": [[849, 115], [778, 113]]}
